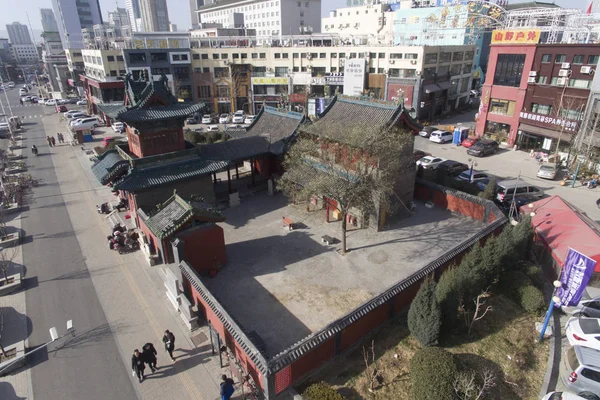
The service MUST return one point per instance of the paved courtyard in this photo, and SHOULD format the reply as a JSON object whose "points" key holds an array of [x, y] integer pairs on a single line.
{"points": [[283, 286]]}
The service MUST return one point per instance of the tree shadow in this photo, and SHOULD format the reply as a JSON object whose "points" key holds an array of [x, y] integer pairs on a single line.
{"points": [[15, 326], [7, 392], [82, 273]]}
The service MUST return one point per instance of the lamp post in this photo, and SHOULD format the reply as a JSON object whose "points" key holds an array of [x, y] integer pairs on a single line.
{"points": [[553, 300], [471, 164]]}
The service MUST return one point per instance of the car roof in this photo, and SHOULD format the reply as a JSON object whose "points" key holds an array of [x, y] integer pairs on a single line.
{"points": [[512, 183], [589, 325], [588, 356], [453, 162]]}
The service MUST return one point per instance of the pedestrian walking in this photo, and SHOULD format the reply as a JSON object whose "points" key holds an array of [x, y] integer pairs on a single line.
{"points": [[49, 141], [53, 141], [61, 139], [169, 341], [149, 356], [137, 365], [227, 387], [21, 101]]}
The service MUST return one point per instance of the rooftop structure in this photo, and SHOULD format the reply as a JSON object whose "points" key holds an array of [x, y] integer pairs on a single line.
{"points": [[134, 15], [48, 20], [18, 33], [72, 16], [155, 15]]}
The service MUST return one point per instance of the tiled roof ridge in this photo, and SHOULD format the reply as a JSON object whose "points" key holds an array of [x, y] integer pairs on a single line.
{"points": [[369, 103], [286, 114]]}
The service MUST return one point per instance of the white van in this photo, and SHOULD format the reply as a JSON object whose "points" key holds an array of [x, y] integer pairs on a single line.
{"points": [[441, 136], [22, 92], [86, 123]]}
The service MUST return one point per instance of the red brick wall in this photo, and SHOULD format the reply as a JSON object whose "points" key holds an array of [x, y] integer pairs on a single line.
{"points": [[204, 248], [450, 202], [351, 334]]}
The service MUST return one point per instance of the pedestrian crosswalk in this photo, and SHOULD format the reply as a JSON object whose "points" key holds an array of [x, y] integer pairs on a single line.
{"points": [[26, 117]]}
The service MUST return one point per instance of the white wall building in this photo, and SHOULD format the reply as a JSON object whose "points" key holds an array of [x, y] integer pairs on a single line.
{"points": [[134, 15], [277, 17], [18, 33], [25, 53], [372, 19], [74, 15]]}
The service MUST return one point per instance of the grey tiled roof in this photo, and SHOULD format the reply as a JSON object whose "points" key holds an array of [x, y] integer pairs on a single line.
{"points": [[175, 212], [147, 178], [237, 149], [111, 110], [179, 110], [108, 165]]}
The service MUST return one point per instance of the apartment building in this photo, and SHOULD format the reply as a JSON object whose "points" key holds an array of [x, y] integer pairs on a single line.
{"points": [[269, 18], [370, 19], [76, 68], [24, 53], [18, 33], [103, 77]]}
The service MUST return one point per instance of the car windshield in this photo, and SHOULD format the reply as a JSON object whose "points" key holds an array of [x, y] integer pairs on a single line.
{"points": [[426, 160], [589, 325], [223, 115], [206, 116], [547, 168]]}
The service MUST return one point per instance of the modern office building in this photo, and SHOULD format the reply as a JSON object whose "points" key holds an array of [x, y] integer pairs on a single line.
{"points": [[119, 17], [155, 15], [194, 7], [134, 15], [24, 53], [74, 15], [269, 18], [48, 21], [18, 33]]}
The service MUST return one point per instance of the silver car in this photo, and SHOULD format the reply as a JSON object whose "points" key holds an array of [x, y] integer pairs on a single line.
{"points": [[547, 171], [581, 370], [587, 307]]}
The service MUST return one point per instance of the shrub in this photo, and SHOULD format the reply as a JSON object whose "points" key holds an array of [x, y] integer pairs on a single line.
{"points": [[536, 275], [424, 315], [470, 276], [321, 391], [511, 282], [505, 254], [489, 193], [531, 298], [192, 136], [447, 294], [432, 372], [522, 238]]}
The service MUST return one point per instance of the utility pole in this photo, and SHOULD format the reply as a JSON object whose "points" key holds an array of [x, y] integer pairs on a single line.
{"points": [[6, 96]]}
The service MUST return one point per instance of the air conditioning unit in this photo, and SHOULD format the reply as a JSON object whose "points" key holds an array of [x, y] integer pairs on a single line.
{"points": [[413, 62], [563, 72], [531, 79], [392, 61], [586, 70], [565, 65], [532, 73], [561, 81]]}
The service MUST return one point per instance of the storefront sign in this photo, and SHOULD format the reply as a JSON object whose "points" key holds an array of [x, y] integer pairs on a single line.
{"points": [[318, 81], [354, 77], [516, 36], [271, 81], [568, 125], [574, 278], [334, 79]]}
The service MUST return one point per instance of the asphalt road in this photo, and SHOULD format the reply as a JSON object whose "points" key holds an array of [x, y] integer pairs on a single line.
{"points": [[58, 288]]}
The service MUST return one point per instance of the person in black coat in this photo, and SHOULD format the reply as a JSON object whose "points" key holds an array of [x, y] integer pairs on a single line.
{"points": [[137, 364], [169, 341], [149, 356]]}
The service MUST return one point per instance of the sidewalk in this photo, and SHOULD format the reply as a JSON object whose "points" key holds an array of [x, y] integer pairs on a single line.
{"points": [[131, 292]]}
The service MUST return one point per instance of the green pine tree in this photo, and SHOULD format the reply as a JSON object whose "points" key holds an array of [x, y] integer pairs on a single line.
{"points": [[424, 315], [489, 193]]}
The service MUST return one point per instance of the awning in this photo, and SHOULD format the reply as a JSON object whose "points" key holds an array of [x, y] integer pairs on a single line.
{"points": [[536, 130], [444, 85], [432, 88]]}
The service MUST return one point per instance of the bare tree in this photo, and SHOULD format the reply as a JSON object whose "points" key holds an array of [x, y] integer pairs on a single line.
{"points": [[7, 255], [562, 106], [473, 385], [479, 311], [352, 165], [371, 370]]}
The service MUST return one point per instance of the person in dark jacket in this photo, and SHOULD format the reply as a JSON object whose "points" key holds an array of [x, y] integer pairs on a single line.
{"points": [[227, 388], [169, 341], [149, 356], [137, 364]]}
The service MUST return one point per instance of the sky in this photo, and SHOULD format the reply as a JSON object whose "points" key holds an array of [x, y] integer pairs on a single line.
{"points": [[179, 12]]}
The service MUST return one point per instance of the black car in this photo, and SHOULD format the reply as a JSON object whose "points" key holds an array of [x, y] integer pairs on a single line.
{"points": [[453, 168], [483, 148], [520, 201]]}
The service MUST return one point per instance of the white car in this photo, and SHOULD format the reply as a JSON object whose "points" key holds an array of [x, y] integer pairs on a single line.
{"points": [[570, 396], [11, 85], [118, 127], [207, 119], [62, 101], [249, 119], [82, 102], [86, 123], [76, 116], [238, 117], [212, 128], [50, 102], [441, 136], [22, 92], [223, 118], [583, 332], [430, 162]]}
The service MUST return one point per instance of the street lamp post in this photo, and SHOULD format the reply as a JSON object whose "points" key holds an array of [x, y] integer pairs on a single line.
{"points": [[471, 164], [553, 300]]}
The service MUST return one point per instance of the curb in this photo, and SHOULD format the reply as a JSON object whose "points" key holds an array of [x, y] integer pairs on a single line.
{"points": [[554, 355]]}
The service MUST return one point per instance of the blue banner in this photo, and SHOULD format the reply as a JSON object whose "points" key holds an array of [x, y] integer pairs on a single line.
{"points": [[574, 278]]}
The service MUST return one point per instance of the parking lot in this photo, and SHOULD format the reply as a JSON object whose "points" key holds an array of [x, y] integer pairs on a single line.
{"points": [[509, 164]]}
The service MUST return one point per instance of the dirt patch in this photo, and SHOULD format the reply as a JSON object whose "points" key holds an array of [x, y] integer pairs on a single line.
{"points": [[9, 354]]}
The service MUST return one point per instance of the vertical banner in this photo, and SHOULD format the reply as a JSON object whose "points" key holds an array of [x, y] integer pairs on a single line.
{"points": [[574, 278]]}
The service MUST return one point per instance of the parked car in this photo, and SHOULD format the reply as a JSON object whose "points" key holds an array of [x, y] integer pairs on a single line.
{"points": [[547, 171], [238, 117], [118, 127], [107, 140], [418, 154], [430, 162], [482, 183], [212, 128], [61, 101], [483, 148], [583, 332], [473, 176], [475, 93], [11, 85], [89, 122], [426, 131], [22, 92], [570, 396], [61, 108], [76, 116], [207, 119], [82, 102], [4, 127], [517, 187], [223, 118], [470, 141], [582, 364], [249, 119], [587, 307], [191, 121], [441, 136], [519, 201], [452, 167], [74, 100], [50, 102]]}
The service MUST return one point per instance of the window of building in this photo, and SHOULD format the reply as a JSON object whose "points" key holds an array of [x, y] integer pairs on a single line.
{"points": [[546, 58], [469, 55], [445, 56], [381, 55], [541, 109], [295, 55], [222, 91], [578, 59], [277, 55], [205, 69], [457, 56], [371, 70], [333, 69], [361, 55], [113, 72], [254, 55], [542, 80], [195, 56], [205, 56], [429, 72], [263, 55], [215, 56], [285, 55], [110, 58], [560, 58], [509, 69], [296, 69], [502, 107], [162, 57], [395, 56], [593, 59], [411, 56], [333, 55], [431, 58], [303, 55], [281, 71], [221, 72], [322, 55], [122, 72], [352, 55], [381, 70], [580, 83], [303, 69], [455, 69], [342, 55], [571, 114], [137, 57], [467, 68], [443, 70], [224, 56], [158, 71]]}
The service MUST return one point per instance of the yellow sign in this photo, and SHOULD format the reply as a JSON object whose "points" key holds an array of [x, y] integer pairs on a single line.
{"points": [[516, 36], [270, 81], [163, 44], [139, 44]]}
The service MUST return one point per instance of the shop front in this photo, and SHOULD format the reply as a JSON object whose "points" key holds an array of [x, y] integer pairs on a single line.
{"points": [[535, 138], [497, 131]]}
